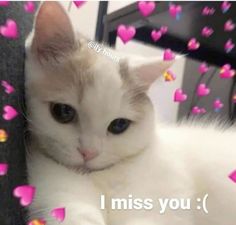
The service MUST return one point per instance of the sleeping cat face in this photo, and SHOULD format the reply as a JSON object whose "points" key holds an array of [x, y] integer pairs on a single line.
{"points": [[85, 110]]}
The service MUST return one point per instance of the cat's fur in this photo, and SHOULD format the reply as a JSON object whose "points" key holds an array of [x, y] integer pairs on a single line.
{"points": [[147, 161]]}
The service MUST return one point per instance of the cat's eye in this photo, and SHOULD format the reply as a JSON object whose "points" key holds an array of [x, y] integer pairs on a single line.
{"points": [[62, 113], [119, 125]]}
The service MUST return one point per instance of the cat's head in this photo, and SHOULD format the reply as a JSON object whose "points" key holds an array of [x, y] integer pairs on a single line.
{"points": [[85, 109]]}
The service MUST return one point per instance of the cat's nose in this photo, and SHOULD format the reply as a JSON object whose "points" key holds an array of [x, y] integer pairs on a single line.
{"points": [[88, 154]]}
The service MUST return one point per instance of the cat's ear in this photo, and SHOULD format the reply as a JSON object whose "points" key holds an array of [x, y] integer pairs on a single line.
{"points": [[53, 32], [148, 70]]}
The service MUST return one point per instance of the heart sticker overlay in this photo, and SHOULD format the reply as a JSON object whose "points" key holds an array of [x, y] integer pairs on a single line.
{"points": [[37, 222], [78, 4], [193, 44], [3, 135], [203, 68], [202, 90], [225, 6], [180, 96], [207, 31], [29, 7], [8, 88], [217, 105], [156, 35], [146, 8], [9, 30], [126, 33], [229, 25], [3, 169], [229, 45], [168, 55], [197, 110], [9, 112], [232, 176], [208, 11], [175, 11], [25, 193], [58, 214], [226, 72], [4, 3]]}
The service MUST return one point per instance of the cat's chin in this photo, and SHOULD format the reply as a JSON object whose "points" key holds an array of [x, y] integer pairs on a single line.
{"points": [[89, 168]]}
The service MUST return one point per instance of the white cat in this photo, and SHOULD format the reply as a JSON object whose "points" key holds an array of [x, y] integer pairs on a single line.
{"points": [[93, 133]]}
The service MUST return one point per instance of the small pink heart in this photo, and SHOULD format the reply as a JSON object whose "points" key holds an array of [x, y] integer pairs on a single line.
{"points": [[126, 33], [156, 35], [8, 88], [164, 29], [146, 8], [9, 112], [168, 55], [29, 7], [217, 105], [225, 6], [196, 110], [203, 68], [207, 11], [229, 45], [226, 71], [202, 111], [229, 25], [232, 176], [207, 31], [175, 10], [78, 4], [3, 169], [180, 96], [202, 90], [9, 30], [193, 44], [58, 214], [4, 3], [25, 193]]}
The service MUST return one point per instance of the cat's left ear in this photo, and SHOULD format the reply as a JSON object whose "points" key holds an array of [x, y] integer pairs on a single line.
{"points": [[148, 70]]}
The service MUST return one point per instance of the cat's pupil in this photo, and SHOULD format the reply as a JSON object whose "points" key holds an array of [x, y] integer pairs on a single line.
{"points": [[119, 125], [62, 113]]}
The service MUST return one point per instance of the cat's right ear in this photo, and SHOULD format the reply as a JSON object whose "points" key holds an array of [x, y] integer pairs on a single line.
{"points": [[53, 32]]}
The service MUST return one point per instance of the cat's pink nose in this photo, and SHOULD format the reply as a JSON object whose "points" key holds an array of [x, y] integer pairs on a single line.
{"points": [[88, 154]]}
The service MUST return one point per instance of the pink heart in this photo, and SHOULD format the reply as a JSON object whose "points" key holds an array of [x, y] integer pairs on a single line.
{"points": [[203, 68], [202, 90], [3, 169], [4, 3], [58, 214], [226, 71], [180, 96], [207, 31], [9, 30], [29, 7], [9, 112], [202, 110], [225, 6], [78, 4], [229, 25], [146, 8], [25, 193], [196, 110], [168, 55], [126, 33], [207, 11], [175, 10], [8, 88], [156, 35], [229, 45], [232, 176], [217, 105], [193, 44], [164, 29]]}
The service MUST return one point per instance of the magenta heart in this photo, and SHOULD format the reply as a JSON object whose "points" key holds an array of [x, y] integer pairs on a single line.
{"points": [[217, 104], [193, 44], [9, 30], [78, 4], [229, 25], [9, 112], [207, 11], [8, 88], [164, 29], [202, 90], [203, 68], [3, 169], [180, 96], [226, 71], [58, 214], [202, 110], [168, 55], [196, 110], [4, 3], [225, 6], [126, 33], [207, 31], [232, 176], [25, 193], [175, 10], [156, 35], [29, 7], [146, 8], [229, 45]]}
